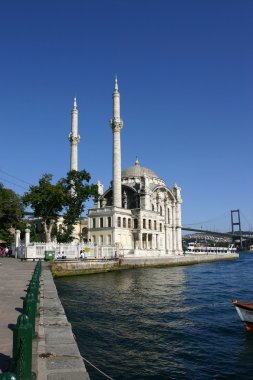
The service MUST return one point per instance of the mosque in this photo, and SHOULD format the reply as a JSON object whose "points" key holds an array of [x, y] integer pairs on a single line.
{"points": [[139, 215]]}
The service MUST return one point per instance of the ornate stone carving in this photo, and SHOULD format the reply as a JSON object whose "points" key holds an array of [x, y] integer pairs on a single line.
{"points": [[74, 139], [116, 124]]}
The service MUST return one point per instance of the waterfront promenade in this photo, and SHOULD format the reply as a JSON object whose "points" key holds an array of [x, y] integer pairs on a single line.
{"points": [[55, 352], [14, 277]]}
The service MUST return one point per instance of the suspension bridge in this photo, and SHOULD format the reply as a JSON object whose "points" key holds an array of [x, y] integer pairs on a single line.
{"points": [[236, 234]]}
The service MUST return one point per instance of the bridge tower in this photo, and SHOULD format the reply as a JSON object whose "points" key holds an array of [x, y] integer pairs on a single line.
{"points": [[236, 225]]}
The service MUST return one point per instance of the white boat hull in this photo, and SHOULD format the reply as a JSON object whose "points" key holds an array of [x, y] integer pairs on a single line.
{"points": [[245, 312]]}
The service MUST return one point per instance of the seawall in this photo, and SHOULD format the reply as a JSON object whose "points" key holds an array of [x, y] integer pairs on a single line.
{"points": [[58, 355], [64, 268]]}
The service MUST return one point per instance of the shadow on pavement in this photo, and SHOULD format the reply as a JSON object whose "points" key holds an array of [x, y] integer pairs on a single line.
{"points": [[5, 362]]}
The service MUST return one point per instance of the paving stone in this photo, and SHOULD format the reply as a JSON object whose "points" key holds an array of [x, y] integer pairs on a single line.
{"points": [[62, 363], [67, 376], [58, 333]]}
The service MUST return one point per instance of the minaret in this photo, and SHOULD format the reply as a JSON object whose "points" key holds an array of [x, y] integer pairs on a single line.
{"points": [[74, 138], [116, 124]]}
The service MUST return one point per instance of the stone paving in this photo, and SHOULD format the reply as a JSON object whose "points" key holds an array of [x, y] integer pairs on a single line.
{"points": [[14, 278]]}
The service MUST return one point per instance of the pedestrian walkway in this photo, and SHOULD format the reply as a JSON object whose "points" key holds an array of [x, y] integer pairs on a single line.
{"points": [[14, 278], [55, 352]]}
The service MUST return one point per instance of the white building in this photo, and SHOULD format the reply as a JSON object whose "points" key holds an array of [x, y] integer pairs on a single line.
{"points": [[139, 214]]}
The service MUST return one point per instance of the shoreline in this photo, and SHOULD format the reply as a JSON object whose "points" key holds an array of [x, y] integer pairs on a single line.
{"points": [[66, 268], [58, 355]]}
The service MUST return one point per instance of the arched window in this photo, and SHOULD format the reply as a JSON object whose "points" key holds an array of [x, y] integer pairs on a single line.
{"points": [[144, 223], [94, 223], [109, 221], [153, 207], [149, 224], [129, 223], [119, 221], [101, 223], [161, 227], [161, 210], [135, 224], [84, 231], [124, 222], [154, 224]]}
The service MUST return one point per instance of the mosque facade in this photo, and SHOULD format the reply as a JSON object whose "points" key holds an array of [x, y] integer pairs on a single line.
{"points": [[138, 215]]}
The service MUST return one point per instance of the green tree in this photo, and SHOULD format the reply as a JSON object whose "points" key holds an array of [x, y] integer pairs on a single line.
{"points": [[46, 200], [77, 191], [66, 198], [11, 213], [36, 235]]}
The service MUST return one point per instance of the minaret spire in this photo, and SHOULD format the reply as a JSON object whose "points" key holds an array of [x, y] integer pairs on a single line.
{"points": [[116, 125], [74, 138], [75, 105], [116, 87]]}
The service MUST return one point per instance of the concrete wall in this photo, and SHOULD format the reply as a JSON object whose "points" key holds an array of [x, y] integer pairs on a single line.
{"points": [[72, 268], [58, 354]]}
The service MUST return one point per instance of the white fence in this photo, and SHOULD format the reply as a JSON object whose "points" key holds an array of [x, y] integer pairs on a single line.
{"points": [[69, 251]]}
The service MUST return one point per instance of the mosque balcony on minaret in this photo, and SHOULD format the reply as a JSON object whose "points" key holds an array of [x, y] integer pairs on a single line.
{"points": [[74, 139], [116, 124]]}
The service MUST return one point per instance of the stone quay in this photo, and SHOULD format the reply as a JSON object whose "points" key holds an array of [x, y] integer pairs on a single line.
{"points": [[55, 355], [62, 268]]}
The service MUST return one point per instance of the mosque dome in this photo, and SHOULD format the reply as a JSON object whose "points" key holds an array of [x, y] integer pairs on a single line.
{"points": [[138, 171]]}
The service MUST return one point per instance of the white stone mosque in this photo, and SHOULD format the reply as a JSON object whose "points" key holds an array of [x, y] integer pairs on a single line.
{"points": [[139, 214]]}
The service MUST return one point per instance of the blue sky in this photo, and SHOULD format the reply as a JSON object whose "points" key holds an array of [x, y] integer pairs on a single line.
{"points": [[185, 76]]}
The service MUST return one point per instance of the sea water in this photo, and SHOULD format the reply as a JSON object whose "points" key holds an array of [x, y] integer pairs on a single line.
{"points": [[166, 323]]}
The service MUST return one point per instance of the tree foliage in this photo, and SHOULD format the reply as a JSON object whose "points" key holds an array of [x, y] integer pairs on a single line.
{"points": [[11, 213], [66, 198], [77, 191], [46, 200]]}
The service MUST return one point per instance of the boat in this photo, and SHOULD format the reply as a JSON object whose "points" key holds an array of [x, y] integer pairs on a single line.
{"points": [[201, 249], [245, 312]]}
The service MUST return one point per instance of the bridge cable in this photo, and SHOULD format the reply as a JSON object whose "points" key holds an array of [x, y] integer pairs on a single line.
{"points": [[249, 225], [209, 220]]}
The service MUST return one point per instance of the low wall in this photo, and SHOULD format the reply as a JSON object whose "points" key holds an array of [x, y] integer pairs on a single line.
{"points": [[77, 267], [58, 355]]}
